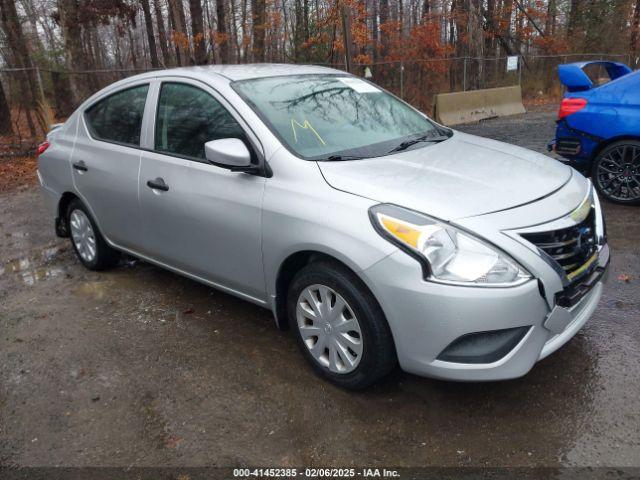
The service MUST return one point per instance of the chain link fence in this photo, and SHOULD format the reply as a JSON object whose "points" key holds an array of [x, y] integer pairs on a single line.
{"points": [[37, 97], [418, 81]]}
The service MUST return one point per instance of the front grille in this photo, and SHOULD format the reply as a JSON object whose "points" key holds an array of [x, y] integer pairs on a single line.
{"points": [[574, 248]]}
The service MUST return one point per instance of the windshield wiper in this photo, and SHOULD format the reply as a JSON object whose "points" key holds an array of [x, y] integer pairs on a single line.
{"points": [[424, 138], [339, 158]]}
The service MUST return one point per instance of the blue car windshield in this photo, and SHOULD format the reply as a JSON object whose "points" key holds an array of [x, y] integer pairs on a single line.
{"points": [[325, 117]]}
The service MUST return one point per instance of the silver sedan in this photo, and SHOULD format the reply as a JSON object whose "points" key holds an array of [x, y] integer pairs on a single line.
{"points": [[378, 236]]}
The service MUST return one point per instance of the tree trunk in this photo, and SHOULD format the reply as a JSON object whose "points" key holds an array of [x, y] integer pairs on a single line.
{"points": [[297, 30], [233, 35], [573, 17], [197, 29], [76, 60], [489, 43], [222, 31], [384, 18], [374, 30], [453, 65], [305, 19], [504, 33], [401, 22], [162, 35], [258, 29], [476, 44], [635, 34], [426, 8], [550, 21], [63, 103], [34, 40], [151, 39], [181, 40], [6, 127], [208, 30], [21, 57], [132, 49]]}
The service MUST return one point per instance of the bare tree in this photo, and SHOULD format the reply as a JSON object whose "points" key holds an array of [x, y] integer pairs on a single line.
{"points": [[176, 12], [162, 35], [222, 31], [20, 58], [258, 32], [197, 30], [635, 33], [5, 114], [153, 52], [75, 53]]}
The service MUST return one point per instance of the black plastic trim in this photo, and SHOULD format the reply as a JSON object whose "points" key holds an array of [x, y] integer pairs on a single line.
{"points": [[516, 336], [573, 293]]}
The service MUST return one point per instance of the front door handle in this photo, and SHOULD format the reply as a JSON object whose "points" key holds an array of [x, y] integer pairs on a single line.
{"points": [[158, 184], [80, 166]]}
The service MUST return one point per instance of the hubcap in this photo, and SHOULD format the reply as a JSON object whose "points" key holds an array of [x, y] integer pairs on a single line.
{"points": [[82, 234], [618, 173], [329, 329]]}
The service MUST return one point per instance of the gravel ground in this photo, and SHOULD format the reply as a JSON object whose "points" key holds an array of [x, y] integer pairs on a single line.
{"points": [[138, 366]]}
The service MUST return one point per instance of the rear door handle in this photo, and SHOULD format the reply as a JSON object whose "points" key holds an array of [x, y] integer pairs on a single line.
{"points": [[80, 166], [158, 184]]}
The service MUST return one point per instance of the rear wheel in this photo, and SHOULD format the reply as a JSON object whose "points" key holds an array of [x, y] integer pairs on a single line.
{"points": [[616, 172], [90, 247], [339, 326]]}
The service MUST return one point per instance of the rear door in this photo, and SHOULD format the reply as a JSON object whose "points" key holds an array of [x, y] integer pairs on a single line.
{"points": [[201, 219], [106, 160]]}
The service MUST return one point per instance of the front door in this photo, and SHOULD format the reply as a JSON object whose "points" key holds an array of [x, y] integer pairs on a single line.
{"points": [[196, 217]]}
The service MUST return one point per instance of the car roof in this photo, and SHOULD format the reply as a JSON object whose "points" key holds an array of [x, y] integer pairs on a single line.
{"points": [[244, 71]]}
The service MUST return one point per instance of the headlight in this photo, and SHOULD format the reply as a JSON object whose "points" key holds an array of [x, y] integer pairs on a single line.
{"points": [[450, 255]]}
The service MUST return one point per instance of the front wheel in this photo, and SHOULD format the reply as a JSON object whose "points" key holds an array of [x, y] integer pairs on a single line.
{"points": [[616, 172], [339, 326]]}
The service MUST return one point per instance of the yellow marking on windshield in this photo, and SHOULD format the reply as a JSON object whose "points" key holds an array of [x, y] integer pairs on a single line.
{"points": [[307, 126]]}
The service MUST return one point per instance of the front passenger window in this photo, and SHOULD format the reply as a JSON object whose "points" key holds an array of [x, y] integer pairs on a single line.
{"points": [[188, 117]]}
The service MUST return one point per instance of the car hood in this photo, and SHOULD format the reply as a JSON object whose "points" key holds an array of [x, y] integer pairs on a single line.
{"points": [[460, 177]]}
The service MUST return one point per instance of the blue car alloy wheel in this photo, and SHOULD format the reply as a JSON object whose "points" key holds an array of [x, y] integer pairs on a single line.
{"points": [[616, 172]]}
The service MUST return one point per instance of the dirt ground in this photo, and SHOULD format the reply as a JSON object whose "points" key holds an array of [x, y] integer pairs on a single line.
{"points": [[138, 366]]}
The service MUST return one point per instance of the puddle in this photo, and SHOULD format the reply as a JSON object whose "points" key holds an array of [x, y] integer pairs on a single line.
{"points": [[17, 265], [97, 290], [16, 235], [38, 274], [31, 270]]}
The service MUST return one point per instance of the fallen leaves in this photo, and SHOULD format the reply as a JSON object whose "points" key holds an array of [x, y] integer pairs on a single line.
{"points": [[623, 277], [17, 171], [171, 441]]}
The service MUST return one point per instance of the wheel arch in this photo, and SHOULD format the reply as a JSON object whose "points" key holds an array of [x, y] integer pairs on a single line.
{"points": [[292, 264], [610, 141], [62, 229]]}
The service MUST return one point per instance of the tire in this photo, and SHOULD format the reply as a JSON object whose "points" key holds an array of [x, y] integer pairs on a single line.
{"points": [[79, 220], [376, 357], [616, 172]]}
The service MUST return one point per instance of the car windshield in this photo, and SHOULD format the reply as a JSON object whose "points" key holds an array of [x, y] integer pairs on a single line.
{"points": [[331, 117]]}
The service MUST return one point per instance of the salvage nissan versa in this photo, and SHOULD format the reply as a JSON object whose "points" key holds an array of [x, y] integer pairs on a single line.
{"points": [[378, 236]]}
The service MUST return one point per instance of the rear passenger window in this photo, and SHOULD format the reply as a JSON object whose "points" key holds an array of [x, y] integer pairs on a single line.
{"points": [[118, 118], [189, 117]]}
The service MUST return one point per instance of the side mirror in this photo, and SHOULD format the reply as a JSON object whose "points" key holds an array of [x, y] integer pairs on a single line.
{"points": [[230, 153]]}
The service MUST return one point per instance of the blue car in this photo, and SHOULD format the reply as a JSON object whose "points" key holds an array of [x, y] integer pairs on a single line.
{"points": [[598, 127]]}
